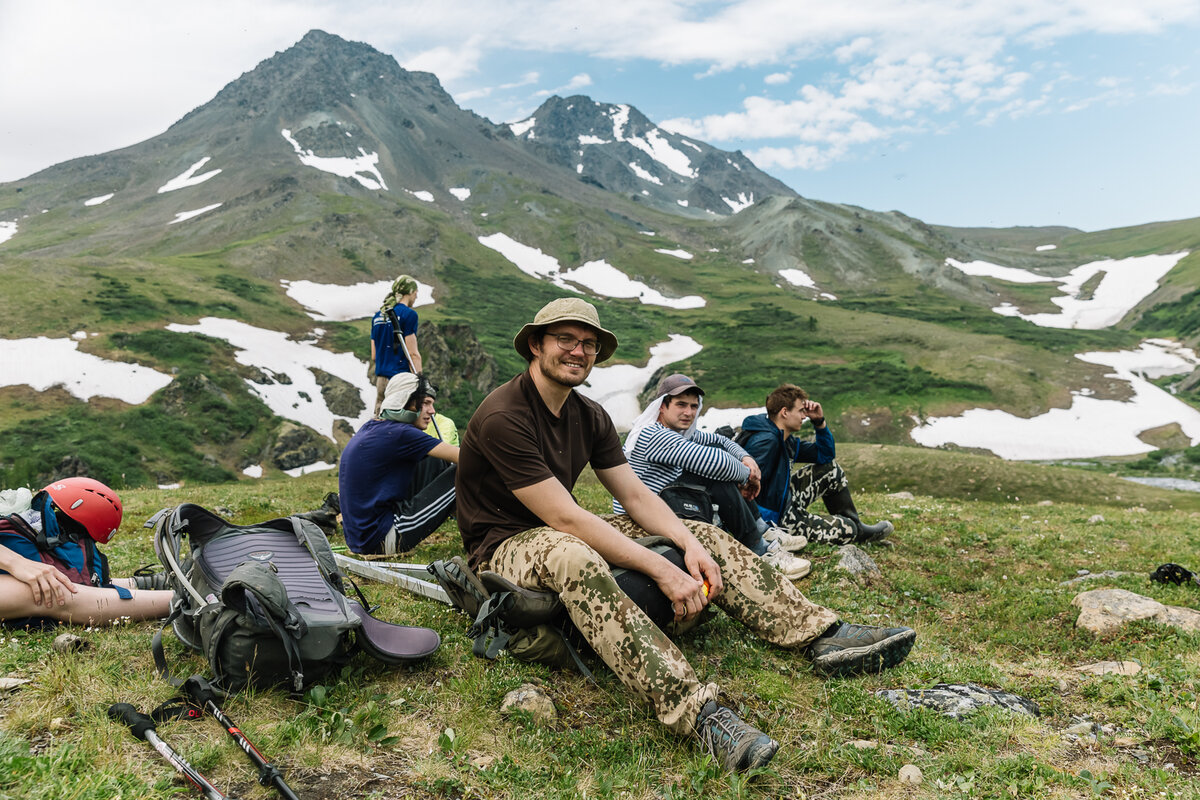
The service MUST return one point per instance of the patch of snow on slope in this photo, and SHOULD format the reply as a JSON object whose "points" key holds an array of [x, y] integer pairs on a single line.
{"points": [[331, 301], [519, 128], [317, 466], [1043, 247], [254, 471], [1011, 274], [342, 165], [604, 279], [599, 276], [796, 277], [8, 230], [528, 259], [644, 174], [182, 215], [589, 139], [683, 203], [657, 147], [41, 363], [461, 192], [422, 195], [104, 198], [683, 254], [713, 418], [189, 178], [620, 118], [616, 387], [1091, 427], [274, 352], [742, 201], [1125, 283]]}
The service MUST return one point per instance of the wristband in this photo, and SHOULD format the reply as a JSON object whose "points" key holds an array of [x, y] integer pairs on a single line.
{"points": [[817, 421]]}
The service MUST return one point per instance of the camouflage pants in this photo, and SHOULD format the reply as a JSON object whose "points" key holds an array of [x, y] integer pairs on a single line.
{"points": [[634, 648], [808, 484]]}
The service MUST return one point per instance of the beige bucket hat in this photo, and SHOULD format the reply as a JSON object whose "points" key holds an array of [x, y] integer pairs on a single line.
{"points": [[566, 309]]}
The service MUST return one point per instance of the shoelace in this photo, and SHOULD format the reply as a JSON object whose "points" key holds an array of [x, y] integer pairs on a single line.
{"points": [[722, 722]]}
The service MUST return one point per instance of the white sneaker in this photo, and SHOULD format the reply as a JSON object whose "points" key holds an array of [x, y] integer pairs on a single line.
{"points": [[785, 540], [793, 568]]}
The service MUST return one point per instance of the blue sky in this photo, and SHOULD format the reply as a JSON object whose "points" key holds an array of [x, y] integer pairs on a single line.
{"points": [[983, 113]]}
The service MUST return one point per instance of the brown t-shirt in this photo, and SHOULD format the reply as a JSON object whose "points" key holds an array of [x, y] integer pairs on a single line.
{"points": [[513, 441]]}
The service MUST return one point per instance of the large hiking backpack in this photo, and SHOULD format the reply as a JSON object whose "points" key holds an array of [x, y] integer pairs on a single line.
{"points": [[265, 604], [534, 626]]}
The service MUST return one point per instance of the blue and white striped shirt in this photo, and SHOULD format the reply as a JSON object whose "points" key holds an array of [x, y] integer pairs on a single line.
{"points": [[661, 455]]}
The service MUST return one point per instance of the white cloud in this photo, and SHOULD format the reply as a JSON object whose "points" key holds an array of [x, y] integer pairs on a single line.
{"points": [[577, 82], [777, 78]]}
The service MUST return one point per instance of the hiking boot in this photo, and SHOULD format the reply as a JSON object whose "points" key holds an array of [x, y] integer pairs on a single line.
{"points": [[324, 518], [854, 649], [738, 745], [785, 540], [793, 568], [149, 578], [873, 533], [333, 503]]}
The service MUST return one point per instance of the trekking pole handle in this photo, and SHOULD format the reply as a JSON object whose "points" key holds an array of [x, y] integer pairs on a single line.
{"points": [[137, 722], [142, 726]]}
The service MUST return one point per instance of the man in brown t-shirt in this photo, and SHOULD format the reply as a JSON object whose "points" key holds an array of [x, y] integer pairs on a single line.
{"points": [[522, 452]]}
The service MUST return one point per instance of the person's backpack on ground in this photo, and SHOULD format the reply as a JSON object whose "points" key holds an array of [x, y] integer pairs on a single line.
{"points": [[265, 604], [534, 626]]}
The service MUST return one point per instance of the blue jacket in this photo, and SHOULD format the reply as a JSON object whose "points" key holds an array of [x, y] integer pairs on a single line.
{"points": [[775, 454]]}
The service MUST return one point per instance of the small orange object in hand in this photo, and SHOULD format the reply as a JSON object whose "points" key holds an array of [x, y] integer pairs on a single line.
{"points": [[704, 587]]}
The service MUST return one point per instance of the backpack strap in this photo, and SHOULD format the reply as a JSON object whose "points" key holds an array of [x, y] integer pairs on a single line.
{"points": [[156, 646]]}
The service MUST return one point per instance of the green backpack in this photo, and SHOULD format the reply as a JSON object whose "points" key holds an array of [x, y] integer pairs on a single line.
{"points": [[534, 626], [265, 604]]}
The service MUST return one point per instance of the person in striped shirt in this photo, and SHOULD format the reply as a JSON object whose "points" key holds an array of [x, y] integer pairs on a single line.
{"points": [[665, 447]]}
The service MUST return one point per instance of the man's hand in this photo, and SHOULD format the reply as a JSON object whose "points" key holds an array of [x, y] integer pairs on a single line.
{"points": [[812, 409], [46, 584], [685, 592], [371, 372], [753, 483]]}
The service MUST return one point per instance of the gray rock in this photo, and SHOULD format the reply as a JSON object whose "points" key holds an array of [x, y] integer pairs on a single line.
{"points": [[298, 446], [1084, 575], [1095, 519], [68, 643], [340, 396], [910, 775], [957, 700], [1105, 611], [902, 495], [533, 701], [855, 561]]}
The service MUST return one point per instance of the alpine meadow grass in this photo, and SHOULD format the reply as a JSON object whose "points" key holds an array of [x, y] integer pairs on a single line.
{"points": [[980, 579]]}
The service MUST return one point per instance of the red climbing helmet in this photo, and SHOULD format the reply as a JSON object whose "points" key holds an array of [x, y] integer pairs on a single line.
{"points": [[90, 503]]}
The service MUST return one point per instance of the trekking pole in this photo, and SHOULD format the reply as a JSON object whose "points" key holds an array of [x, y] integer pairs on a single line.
{"points": [[142, 726], [201, 692]]}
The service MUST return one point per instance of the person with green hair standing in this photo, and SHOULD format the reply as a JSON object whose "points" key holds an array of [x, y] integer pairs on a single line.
{"points": [[394, 336]]}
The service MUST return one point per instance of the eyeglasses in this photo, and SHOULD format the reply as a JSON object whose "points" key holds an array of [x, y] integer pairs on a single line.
{"points": [[568, 342]]}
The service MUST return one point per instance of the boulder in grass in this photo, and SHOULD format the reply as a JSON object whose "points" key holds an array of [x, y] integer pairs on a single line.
{"points": [[1106, 611], [957, 700]]}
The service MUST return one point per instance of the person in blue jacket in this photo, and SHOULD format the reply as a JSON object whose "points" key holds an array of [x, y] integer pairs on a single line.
{"points": [[771, 441], [394, 336]]}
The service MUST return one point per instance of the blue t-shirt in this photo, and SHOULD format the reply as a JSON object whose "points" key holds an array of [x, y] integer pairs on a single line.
{"points": [[391, 358], [374, 474]]}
